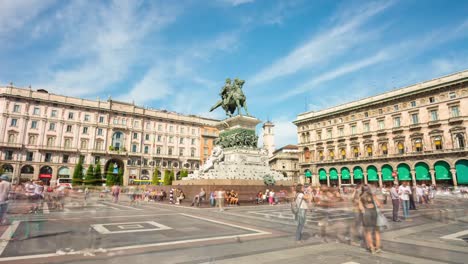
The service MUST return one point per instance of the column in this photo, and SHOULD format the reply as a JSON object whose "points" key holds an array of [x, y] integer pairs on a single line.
{"points": [[365, 177], [339, 179], [432, 172], [351, 174], [413, 177], [328, 179], [454, 177], [379, 173]]}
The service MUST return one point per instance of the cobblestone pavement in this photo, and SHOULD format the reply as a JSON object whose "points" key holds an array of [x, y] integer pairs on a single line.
{"points": [[100, 231]]}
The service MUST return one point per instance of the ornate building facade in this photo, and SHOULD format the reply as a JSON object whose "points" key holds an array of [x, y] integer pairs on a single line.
{"points": [[43, 135], [286, 161], [416, 133]]}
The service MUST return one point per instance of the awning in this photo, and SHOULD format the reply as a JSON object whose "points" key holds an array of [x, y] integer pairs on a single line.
{"points": [[422, 172], [45, 175], [333, 174], [322, 175], [372, 174], [345, 174], [358, 175], [404, 173]]}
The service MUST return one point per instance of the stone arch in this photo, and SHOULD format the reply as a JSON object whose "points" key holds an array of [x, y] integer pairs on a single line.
{"points": [[7, 168], [404, 172], [112, 162], [422, 171], [345, 174], [461, 168], [442, 171], [27, 169], [358, 173], [372, 175], [333, 174], [387, 172], [322, 174], [63, 172]]}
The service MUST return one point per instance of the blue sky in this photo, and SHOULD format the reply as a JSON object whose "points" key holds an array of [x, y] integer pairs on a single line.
{"points": [[175, 55]]}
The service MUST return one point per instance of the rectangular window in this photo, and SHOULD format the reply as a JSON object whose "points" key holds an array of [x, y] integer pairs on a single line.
{"points": [[380, 111], [70, 115], [85, 130], [124, 121], [434, 115], [50, 141], [366, 114], [353, 117], [9, 155], [170, 151], [182, 130], [101, 119], [319, 136], [205, 151], [134, 148], [69, 128], [33, 124], [13, 122], [99, 131], [48, 157], [32, 140], [181, 152], [171, 129], [159, 127], [454, 111], [329, 134], [158, 150], [432, 99], [413, 103], [341, 131], [171, 139], [415, 119], [353, 130], [148, 125], [181, 141], [65, 158], [136, 123], [366, 127], [53, 113], [97, 159], [192, 153], [29, 156], [16, 108], [193, 141], [381, 124], [146, 149], [452, 95], [135, 135], [147, 137], [159, 138], [99, 145], [116, 121], [193, 131], [86, 117], [395, 107], [397, 122], [36, 111], [52, 126], [84, 144], [205, 141]]}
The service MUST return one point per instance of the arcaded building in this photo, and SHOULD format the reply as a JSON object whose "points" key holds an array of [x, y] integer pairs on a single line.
{"points": [[416, 133], [42, 136], [286, 161]]}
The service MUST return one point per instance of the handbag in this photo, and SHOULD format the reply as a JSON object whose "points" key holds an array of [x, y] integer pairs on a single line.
{"points": [[382, 221]]}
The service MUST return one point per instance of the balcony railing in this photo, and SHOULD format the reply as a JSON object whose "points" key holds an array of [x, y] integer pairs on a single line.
{"points": [[456, 119], [11, 145]]}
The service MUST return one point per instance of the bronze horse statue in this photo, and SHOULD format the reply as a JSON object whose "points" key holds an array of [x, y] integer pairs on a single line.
{"points": [[232, 98]]}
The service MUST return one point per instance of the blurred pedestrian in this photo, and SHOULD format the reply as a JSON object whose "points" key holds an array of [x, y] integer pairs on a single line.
{"points": [[301, 204], [220, 199], [368, 203], [5, 188], [404, 191], [395, 202]]}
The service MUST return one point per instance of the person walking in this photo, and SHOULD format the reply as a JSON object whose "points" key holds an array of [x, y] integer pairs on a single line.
{"points": [[115, 193], [412, 198], [300, 216], [271, 197], [404, 192], [220, 199], [5, 187], [395, 202], [367, 204]]}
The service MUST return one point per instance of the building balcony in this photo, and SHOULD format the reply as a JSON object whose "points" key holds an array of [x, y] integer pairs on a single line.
{"points": [[456, 120], [212, 135], [98, 151], [11, 145], [434, 123], [117, 152], [398, 129], [58, 148], [415, 126]]}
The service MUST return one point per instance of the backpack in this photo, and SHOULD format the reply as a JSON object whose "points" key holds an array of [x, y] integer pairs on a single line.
{"points": [[295, 207]]}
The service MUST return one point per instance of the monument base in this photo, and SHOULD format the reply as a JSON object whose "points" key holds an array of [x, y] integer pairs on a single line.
{"points": [[222, 182]]}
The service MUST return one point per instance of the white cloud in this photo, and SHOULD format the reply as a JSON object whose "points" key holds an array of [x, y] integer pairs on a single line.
{"points": [[237, 2], [325, 45], [14, 14], [101, 42]]}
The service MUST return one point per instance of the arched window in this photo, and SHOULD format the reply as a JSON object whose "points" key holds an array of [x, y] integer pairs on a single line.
{"points": [[369, 150], [343, 153], [418, 145], [438, 142], [12, 138], [384, 149], [67, 143], [401, 148], [117, 140], [356, 152], [460, 139]]}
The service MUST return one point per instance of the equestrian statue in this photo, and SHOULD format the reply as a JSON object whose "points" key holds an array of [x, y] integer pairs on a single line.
{"points": [[232, 98]]}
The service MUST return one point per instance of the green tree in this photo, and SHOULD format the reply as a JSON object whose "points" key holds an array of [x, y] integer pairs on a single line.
{"points": [[110, 178], [78, 172], [183, 173], [167, 178], [89, 178], [155, 179], [120, 177], [98, 174]]}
